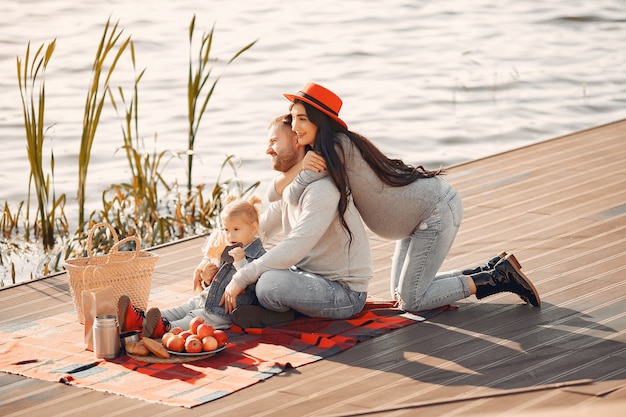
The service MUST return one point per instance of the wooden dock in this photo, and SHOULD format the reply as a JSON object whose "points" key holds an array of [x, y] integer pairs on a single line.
{"points": [[559, 206]]}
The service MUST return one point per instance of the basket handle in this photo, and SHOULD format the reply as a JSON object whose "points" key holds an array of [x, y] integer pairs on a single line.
{"points": [[116, 247], [94, 268], [93, 230]]}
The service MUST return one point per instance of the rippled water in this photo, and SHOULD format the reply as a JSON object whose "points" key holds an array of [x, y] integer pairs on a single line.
{"points": [[433, 82]]}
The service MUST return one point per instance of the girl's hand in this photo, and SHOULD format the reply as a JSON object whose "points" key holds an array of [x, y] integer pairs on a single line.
{"points": [[313, 162], [204, 272], [237, 253], [229, 299]]}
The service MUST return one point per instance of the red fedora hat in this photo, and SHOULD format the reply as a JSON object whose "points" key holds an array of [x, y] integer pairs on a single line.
{"points": [[322, 99]]}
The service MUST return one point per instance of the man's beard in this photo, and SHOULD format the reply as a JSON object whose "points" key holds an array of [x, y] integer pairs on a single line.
{"points": [[285, 161]]}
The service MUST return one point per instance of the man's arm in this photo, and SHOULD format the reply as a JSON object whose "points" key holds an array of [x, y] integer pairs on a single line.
{"points": [[270, 222], [317, 210]]}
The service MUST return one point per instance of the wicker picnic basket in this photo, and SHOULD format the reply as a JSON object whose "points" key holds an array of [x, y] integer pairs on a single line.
{"points": [[127, 272]]}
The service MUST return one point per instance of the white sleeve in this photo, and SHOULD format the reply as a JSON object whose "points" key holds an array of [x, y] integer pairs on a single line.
{"points": [[318, 209], [270, 222], [240, 263], [271, 194]]}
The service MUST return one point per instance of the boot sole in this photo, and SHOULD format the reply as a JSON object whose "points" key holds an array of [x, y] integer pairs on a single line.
{"points": [[151, 322], [122, 308], [512, 260], [525, 281]]}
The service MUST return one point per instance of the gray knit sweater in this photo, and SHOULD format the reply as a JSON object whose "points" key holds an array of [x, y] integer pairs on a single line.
{"points": [[390, 212], [314, 239]]}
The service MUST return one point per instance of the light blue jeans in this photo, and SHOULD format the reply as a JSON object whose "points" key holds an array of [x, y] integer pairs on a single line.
{"points": [[417, 259], [309, 294]]}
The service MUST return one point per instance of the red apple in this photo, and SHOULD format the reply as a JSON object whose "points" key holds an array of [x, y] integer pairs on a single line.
{"points": [[204, 330], [221, 337], [209, 344], [176, 343], [195, 322], [193, 345], [185, 334], [176, 330], [165, 338]]}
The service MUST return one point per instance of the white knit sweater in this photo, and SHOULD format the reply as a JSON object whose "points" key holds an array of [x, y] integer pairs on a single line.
{"points": [[390, 212], [314, 239]]}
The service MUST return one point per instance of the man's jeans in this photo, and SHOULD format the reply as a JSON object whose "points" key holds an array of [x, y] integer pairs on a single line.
{"points": [[309, 294]]}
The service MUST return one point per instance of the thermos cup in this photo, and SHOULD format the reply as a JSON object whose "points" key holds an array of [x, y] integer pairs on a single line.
{"points": [[106, 337]]}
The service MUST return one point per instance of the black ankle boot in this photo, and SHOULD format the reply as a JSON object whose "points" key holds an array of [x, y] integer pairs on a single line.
{"points": [[506, 277], [486, 267]]}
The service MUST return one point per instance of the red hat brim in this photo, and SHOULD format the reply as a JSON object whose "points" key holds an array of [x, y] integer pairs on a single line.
{"points": [[292, 97]]}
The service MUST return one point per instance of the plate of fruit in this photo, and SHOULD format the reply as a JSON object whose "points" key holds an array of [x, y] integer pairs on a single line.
{"points": [[201, 341]]}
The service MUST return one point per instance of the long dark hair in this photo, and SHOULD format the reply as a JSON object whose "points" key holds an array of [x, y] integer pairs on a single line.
{"points": [[393, 172]]}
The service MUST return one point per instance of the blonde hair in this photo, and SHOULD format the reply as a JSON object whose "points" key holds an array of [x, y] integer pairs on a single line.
{"points": [[237, 206], [283, 120], [234, 206]]}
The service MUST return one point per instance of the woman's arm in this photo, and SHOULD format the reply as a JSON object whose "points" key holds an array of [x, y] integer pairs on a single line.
{"points": [[281, 181], [293, 192], [313, 168]]}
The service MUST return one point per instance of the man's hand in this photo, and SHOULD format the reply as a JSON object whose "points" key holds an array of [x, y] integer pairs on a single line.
{"points": [[205, 271], [229, 299], [313, 162]]}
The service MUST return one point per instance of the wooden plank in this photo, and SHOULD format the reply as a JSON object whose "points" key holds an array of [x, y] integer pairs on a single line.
{"points": [[560, 206]]}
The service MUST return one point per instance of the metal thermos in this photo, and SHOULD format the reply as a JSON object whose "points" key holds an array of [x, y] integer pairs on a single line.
{"points": [[106, 337]]}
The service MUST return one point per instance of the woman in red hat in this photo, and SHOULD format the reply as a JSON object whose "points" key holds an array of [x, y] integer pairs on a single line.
{"points": [[409, 204]]}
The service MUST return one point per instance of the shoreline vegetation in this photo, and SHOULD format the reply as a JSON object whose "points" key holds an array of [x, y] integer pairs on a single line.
{"points": [[148, 205]]}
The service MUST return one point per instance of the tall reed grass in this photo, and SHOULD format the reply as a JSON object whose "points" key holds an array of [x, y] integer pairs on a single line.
{"points": [[147, 205], [94, 103], [197, 95], [33, 95]]}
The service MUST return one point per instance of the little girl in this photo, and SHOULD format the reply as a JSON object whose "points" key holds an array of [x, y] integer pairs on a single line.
{"points": [[236, 244]]}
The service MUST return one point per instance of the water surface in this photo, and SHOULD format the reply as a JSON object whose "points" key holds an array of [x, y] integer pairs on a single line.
{"points": [[435, 83]]}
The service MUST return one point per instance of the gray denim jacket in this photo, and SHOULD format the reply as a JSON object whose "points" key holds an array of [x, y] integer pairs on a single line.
{"points": [[223, 277]]}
